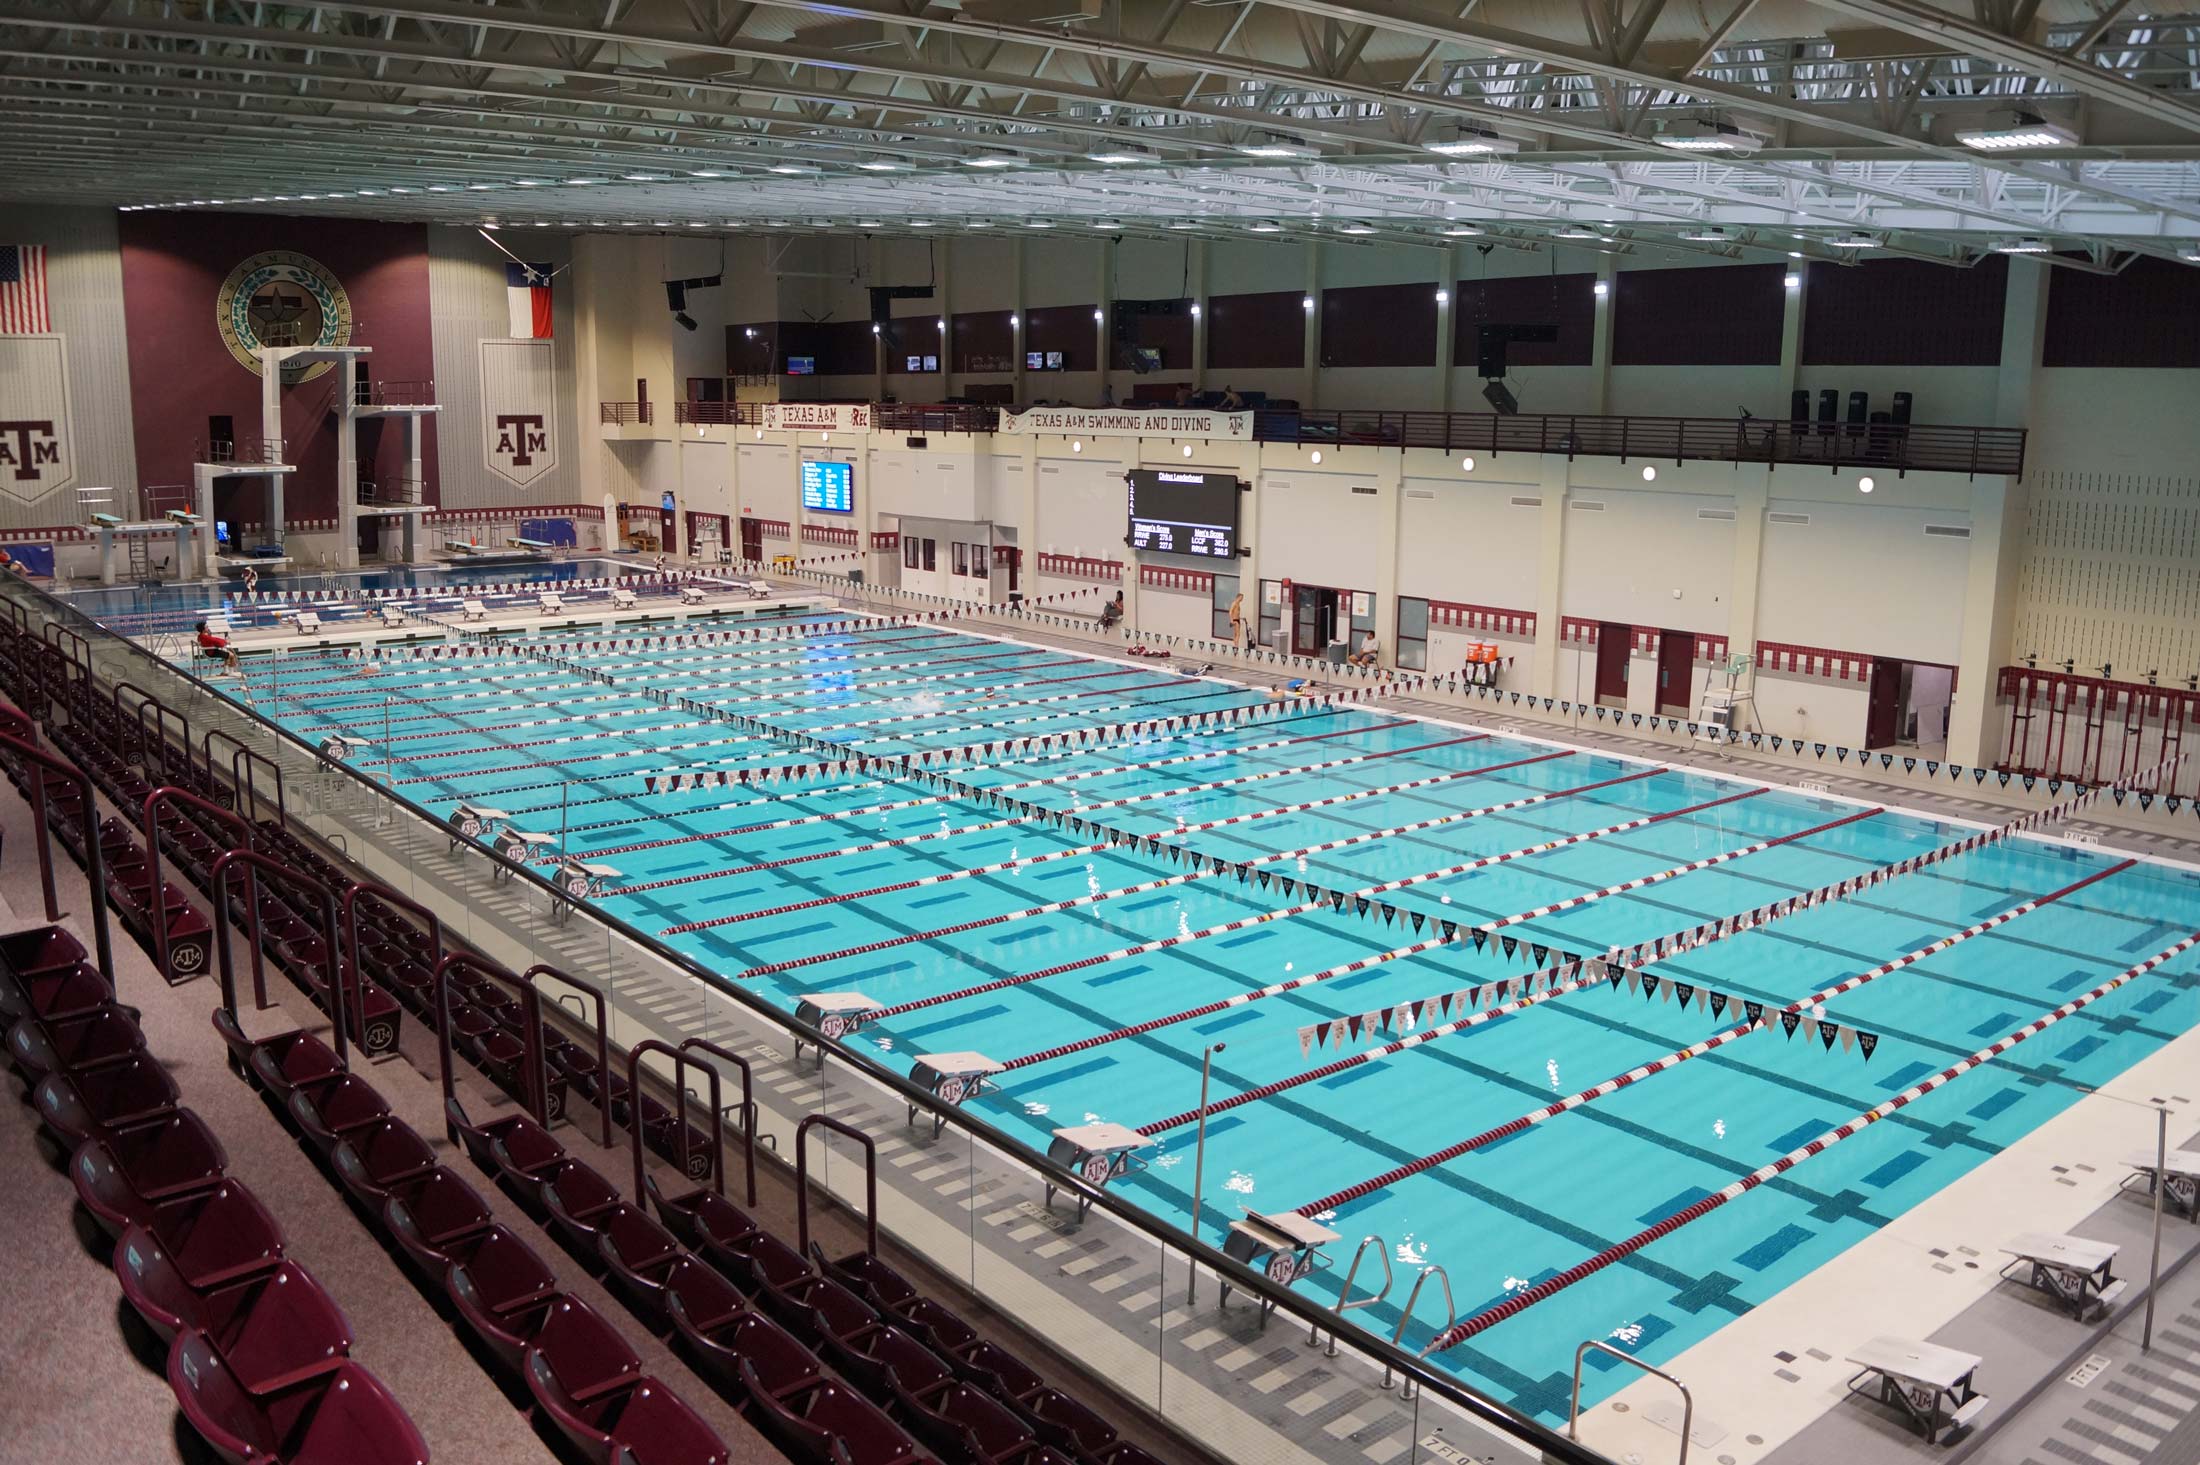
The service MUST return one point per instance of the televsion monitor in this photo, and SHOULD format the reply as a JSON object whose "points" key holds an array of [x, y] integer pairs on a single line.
{"points": [[802, 366], [1035, 361], [829, 488], [1177, 512]]}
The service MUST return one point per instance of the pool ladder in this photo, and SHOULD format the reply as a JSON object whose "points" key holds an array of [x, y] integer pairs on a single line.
{"points": [[1344, 1302], [1397, 1338]]}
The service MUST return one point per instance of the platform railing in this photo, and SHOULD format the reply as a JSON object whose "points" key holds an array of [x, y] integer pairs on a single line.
{"points": [[719, 414], [623, 413], [979, 1213]]}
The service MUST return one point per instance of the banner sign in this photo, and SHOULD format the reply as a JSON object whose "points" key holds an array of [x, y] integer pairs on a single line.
{"points": [[1127, 422], [817, 416], [37, 447]]}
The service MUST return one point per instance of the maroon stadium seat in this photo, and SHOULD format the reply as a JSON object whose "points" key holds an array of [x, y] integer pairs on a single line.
{"points": [[195, 1245], [122, 1175], [341, 1417]]}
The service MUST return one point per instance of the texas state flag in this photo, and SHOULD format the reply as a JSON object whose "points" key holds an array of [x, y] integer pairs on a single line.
{"points": [[527, 291]]}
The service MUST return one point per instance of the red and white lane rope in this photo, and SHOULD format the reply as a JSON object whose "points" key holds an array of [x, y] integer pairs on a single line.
{"points": [[1063, 1050], [1332, 900], [1015, 818], [1528, 1297], [1678, 1056], [1011, 865]]}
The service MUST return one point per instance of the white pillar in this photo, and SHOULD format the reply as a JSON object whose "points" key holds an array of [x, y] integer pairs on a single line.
{"points": [[1440, 383], [1198, 287], [1102, 315], [1600, 340], [1311, 347], [1016, 323], [1550, 579]]}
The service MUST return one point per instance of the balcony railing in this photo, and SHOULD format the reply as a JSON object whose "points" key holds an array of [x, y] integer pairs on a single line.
{"points": [[948, 417], [623, 413], [719, 414], [393, 394], [1895, 447]]}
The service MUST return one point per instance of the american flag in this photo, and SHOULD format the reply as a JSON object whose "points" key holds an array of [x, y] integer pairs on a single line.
{"points": [[23, 290]]}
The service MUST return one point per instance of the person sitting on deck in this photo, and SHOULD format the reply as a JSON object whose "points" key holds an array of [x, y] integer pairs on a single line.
{"points": [[217, 647], [1370, 650], [1111, 614]]}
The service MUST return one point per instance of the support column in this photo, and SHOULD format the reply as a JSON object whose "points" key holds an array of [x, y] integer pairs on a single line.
{"points": [[878, 356], [1016, 323], [1999, 513], [1389, 513], [1103, 313], [1440, 389], [1550, 622], [1791, 336], [1311, 342], [1199, 314], [1752, 492], [943, 321], [1600, 340]]}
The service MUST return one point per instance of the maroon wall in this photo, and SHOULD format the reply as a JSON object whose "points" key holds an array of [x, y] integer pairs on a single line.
{"points": [[1379, 325], [2142, 317], [1567, 301], [1714, 315], [181, 373], [1904, 312], [1264, 331]]}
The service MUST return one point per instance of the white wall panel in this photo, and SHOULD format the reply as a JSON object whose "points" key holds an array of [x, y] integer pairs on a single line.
{"points": [[1084, 507], [1314, 529], [1624, 560], [1465, 540], [1858, 578]]}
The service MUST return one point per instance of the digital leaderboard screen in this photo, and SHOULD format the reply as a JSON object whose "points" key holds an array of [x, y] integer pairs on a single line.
{"points": [[1184, 513], [829, 487]]}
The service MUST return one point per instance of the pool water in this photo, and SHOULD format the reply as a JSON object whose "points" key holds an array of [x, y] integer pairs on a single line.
{"points": [[793, 878]]}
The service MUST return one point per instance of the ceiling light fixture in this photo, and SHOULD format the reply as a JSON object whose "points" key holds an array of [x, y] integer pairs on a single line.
{"points": [[1277, 147], [1116, 155], [2009, 131], [2027, 244], [1575, 231], [706, 173], [1356, 226], [879, 165], [992, 160], [1265, 226], [1708, 137], [1473, 142], [1705, 234], [1854, 240], [1461, 231]]}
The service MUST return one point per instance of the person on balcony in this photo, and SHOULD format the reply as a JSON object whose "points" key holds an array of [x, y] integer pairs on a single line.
{"points": [[1231, 401]]}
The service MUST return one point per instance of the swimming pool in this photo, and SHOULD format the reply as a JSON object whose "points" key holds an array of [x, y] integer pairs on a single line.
{"points": [[983, 928], [139, 608]]}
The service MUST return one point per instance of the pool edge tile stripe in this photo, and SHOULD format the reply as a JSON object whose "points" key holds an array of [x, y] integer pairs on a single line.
{"points": [[1678, 1056], [1528, 1297]]}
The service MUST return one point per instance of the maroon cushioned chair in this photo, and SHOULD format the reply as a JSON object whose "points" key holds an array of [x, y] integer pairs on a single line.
{"points": [[77, 1106], [963, 1422], [569, 1196], [830, 1425], [341, 1417], [525, 1139], [122, 1175], [282, 1064], [721, 1345], [106, 1033], [872, 1362], [504, 1291], [276, 1329], [325, 1112], [378, 1160], [194, 1246], [69, 992], [434, 1217], [590, 1383], [522, 1156], [41, 949], [638, 1255]]}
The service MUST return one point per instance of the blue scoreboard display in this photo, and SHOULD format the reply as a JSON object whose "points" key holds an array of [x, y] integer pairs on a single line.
{"points": [[829, 487]]}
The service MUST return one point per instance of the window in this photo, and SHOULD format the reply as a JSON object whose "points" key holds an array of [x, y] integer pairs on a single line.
{"points": [[962, 558], [909, 552], [931, 549], [1412, 633]]}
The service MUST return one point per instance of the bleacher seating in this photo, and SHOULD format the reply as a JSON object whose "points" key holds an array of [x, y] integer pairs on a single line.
{"points": [[841, 1361]]}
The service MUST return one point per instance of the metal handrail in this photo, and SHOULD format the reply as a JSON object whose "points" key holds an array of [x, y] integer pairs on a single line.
{"points": [[1500, 1416], [536, 1083], [603, 1036], [348, 911], [1573, 1409], [218, 882], [161, 713], [680, 1064], [802, 1179], [240, 774], [157, 908], [1382, 1254], [1450, 1307], [95, 860], [748, 1110]]}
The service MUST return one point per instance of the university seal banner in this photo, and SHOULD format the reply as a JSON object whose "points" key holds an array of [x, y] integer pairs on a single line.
{"points": [[37, 447], [519, 409], [282, 299], [1120, 422]]}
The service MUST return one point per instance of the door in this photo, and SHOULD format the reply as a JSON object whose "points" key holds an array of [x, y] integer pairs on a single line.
{"points": [[1883, 712], [752, 539], [1614, 644], [1314, 622], [1676, 671]]}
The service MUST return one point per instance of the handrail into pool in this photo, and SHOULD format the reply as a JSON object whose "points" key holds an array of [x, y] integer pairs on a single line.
{"points": [[1550, 1442], [1573, 1409]]}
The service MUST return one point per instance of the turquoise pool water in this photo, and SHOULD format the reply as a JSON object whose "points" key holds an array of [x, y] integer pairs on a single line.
{"points": [[795, 879]]}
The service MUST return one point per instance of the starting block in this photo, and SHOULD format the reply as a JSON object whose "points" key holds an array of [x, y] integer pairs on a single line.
{"points": [[474, 821], [1098, 1153], [691, 595], [954, 1079], [219, 625], [579, 880], [550, 603], [337, 747], [759, 589], [392, 615], [309, 622], [1286, 1246], [623, 600], [520, 846], [835, 1014], [473, 610]]}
